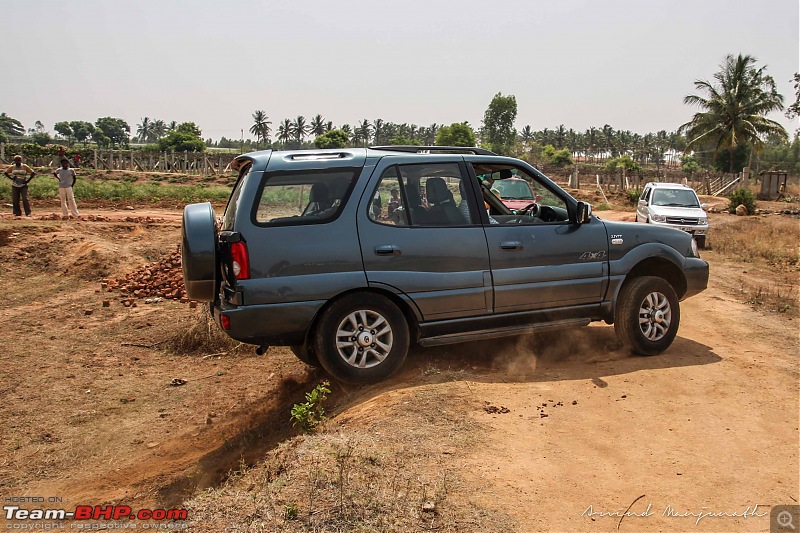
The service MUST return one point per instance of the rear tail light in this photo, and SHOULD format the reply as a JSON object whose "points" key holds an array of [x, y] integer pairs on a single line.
{"points": [[241, 260], [225, 322]]}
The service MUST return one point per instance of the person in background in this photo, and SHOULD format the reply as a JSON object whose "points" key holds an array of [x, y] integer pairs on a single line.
{"points": [[77, 160], [20, 175], [66, 180]]}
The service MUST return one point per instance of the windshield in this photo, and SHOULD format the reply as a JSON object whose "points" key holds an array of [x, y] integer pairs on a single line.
{"points": [[675, 198], [512, 189]]}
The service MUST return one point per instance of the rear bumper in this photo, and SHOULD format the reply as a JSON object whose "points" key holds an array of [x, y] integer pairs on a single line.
{"points": [[696, 271], [283, 324]]}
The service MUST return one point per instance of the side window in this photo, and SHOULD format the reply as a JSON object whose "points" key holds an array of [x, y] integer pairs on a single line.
{"points": [[388, 206], [436, 195], [508, 189], [304, 197], [431, 194]]}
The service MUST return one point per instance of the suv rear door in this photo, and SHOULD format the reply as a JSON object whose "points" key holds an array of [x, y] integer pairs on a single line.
{"points": [[421, 236]]}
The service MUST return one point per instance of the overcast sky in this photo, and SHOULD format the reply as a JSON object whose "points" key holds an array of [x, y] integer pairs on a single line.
{"points": [[581, 63]]}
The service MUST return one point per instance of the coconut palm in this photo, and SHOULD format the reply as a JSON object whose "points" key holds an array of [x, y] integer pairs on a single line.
{"points": [[734, 108], [377, 131], [260, 127], [144, 130], [172, 126], [158, 129], [560, 136], [365, 131], [300, 129], [317, 126], [285, 131]]}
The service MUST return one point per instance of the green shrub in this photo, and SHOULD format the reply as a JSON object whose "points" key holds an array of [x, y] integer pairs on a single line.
{"points": [[633, 196], [310, 413], [744, 197]]}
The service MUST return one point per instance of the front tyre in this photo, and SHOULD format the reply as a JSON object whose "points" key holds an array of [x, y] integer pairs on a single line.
{"points": [[361, 338], [647, 315], [701, 241]]}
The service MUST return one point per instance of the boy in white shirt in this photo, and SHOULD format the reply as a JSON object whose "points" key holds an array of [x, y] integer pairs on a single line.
{"points": [[66, 180]]}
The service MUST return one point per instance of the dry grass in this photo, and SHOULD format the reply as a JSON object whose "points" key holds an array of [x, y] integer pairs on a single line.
{"points": [[200, 335], [371, 472], [773, 239]]}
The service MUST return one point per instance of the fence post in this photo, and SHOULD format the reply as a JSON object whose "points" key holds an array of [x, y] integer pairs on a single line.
{"points": [[3, 151], [186, 161]]}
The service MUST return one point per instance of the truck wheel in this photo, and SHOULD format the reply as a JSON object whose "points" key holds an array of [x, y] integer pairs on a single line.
{"points": [[361, 338], [199, 254], [647, 315], [701, 241], [306, 355]]}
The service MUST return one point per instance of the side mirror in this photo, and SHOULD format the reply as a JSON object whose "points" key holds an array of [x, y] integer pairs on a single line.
{"points": [[643, 203], [584, 213], [704, 207]]}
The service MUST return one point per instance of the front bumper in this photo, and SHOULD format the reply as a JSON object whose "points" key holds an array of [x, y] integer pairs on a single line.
{"points": [[696, 271], [697, 229]]}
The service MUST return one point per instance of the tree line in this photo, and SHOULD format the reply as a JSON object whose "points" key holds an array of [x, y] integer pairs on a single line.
{"points": [[728, 131]]}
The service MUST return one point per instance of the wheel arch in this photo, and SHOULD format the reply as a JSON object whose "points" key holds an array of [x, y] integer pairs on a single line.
{"points": [[660, 267], [403, 305]]}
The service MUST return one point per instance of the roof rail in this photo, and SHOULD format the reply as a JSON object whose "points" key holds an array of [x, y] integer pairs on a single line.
{"points": [[412, 149]]}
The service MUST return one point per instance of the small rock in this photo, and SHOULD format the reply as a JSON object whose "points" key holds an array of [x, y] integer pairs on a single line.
{"points": [[741, 210], [106, 303], [192, 304], [152, 444], [130, 208], [429, 507], [87, 312], [177, 382], [574, 402]]}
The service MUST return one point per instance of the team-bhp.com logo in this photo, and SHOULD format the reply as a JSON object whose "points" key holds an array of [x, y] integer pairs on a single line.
{"points": [[96, 512]]}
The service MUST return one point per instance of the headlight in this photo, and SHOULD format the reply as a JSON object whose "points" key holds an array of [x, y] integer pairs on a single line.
{"points": [[702, 220], [695, 252], [658, 218]]}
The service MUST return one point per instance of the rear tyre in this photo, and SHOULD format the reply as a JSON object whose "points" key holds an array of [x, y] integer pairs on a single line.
{"points": [[306, 354], [199, 252], [647, 315], [362, 338], [701, 241]]}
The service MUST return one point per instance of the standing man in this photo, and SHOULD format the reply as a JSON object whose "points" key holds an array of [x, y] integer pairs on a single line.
{"points": [[18, 174], [66, 180]]}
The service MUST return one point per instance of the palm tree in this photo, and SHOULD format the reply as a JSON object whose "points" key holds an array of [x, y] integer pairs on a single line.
{"points": [[300, 129], [285, 131], [365, 131], [158, 129], [172, 126], [377, 131], [260, 127], [734, 108], [317, 126], [526, 134], [560, 136], [144, 130], [608, 141]]}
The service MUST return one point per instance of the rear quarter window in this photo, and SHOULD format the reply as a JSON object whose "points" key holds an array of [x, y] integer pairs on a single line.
{"points": [[233, 202], [303, 197]]}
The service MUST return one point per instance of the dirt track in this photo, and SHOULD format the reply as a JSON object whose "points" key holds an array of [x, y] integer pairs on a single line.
{"points": [[89, 414]]}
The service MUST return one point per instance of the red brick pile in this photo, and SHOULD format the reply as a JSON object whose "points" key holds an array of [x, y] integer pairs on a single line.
{"points": [[159, 279]]}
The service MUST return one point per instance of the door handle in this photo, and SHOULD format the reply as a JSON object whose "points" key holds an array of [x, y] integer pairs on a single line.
{"points": [[387, 249], [511, 245]]}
